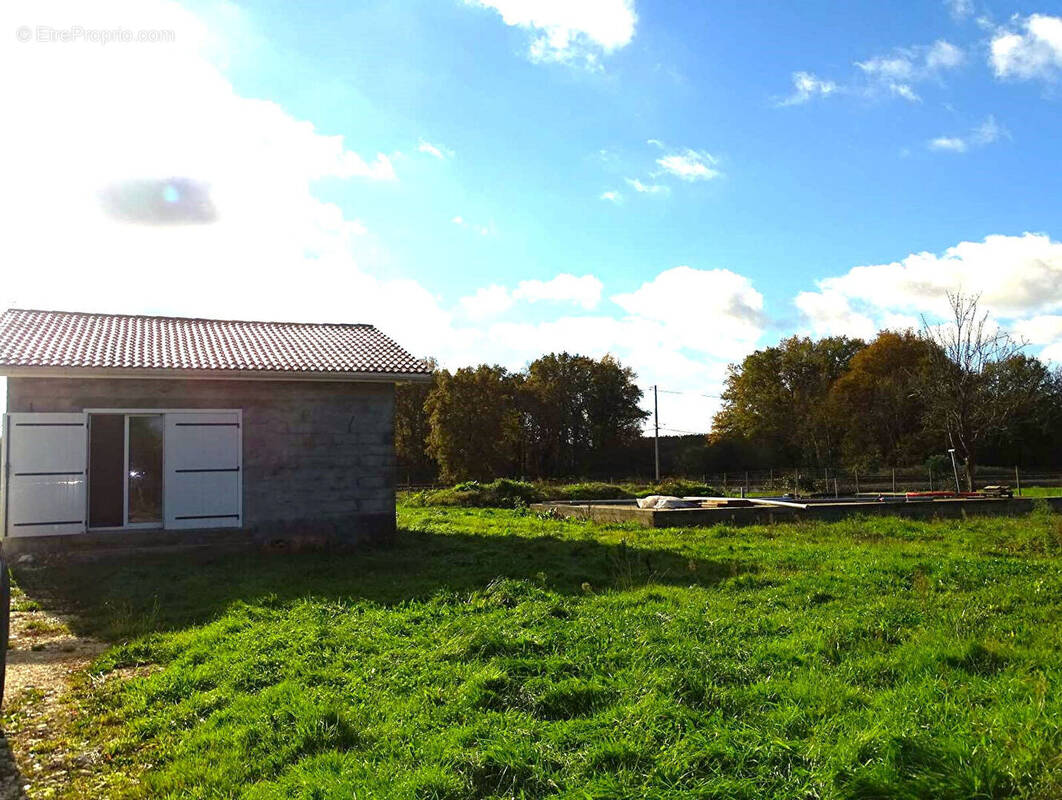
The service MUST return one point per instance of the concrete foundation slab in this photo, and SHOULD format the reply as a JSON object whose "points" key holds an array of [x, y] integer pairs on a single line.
{"points": [[628, 511]]}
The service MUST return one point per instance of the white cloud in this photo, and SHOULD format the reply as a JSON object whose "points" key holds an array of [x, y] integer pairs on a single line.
{"points": [[899, 322], [905, 91], [908, 65], [1033, 51], [953, 144], [612, 196], [488, 301], [714, 311], [987, 132], [1019, 279], [893, 75], [584, 290], [567, 31], [435, 150], [482, 230], [690, 165], [1041, 329], [830, 314], [646, 188], [960, 9], [1052, 354], [1015, 274], [943, 55], [806, 86]]}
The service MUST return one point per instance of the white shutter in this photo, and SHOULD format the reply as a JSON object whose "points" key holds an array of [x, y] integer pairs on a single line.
{"points": [[203, 470], [45, 473]]}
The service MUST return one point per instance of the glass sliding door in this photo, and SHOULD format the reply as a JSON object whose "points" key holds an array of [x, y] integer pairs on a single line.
{"points": [[144, 470]]}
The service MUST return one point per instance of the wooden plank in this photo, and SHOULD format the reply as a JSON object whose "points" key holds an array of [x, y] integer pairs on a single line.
{"points": [[762, 501]]}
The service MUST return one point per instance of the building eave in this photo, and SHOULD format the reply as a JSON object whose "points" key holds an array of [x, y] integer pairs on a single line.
{"points": [[12, 371]]}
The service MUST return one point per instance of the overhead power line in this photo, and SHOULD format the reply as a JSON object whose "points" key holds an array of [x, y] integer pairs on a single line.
{"points": [[697, 394]]}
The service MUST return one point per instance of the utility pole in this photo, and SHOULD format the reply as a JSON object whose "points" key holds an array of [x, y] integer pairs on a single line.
{"points": [[656, 434]]}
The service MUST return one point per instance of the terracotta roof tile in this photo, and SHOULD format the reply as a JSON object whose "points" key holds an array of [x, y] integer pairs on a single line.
{"points": [[114, 341]]}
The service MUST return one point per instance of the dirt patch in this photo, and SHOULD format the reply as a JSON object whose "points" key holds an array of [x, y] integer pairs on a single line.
{"points": [[43, 653], [43, 657]]}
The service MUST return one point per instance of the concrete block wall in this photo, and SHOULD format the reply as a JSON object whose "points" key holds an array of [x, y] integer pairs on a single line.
{"points": [[318, 456]]}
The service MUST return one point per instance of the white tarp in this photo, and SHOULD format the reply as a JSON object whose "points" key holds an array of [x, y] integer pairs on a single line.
{"points": [[665, 501]]}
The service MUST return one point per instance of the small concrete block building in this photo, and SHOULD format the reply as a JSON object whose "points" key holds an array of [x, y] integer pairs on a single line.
{"points": [[144, 429]]}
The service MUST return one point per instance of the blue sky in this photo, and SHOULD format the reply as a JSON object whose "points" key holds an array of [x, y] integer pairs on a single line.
{"points": [[673, 185], [805, 191]]}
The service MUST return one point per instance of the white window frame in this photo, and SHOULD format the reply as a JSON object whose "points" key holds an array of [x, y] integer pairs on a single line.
{"points": [[125, 479], [128, 412]]}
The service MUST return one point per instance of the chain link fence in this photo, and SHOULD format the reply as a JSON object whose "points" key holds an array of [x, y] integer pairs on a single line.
{"points": [[827, 481], [844, 481]]}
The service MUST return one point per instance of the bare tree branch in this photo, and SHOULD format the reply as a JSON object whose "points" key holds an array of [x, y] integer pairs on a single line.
{"points": [[968, 393]]}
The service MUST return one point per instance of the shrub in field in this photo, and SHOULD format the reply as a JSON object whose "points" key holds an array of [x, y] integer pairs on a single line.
{"points": [[587, 491], [501, 493], [678, 488]]}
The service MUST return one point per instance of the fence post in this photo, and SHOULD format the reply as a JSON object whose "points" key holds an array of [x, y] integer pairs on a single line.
{"points": [[836, 489], [894, 480], [855, 473], [1017, 479]]}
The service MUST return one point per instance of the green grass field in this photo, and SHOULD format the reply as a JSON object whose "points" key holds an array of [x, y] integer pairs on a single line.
{"points": [[497, 654], [1041, 491]]}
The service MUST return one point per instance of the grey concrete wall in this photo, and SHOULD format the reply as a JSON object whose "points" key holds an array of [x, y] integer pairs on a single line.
{"points": [[318, 456]]}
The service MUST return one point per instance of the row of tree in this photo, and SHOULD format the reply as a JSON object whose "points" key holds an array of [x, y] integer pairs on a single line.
{"points": [[565, 415], [835, 402], [895, 401]]}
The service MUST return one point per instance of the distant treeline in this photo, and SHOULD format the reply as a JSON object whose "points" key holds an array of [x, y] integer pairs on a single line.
{"points": [[901, 399], [563, 415]]}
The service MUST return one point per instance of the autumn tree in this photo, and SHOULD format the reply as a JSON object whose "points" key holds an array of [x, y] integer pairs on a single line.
{"points": [[475, 423], [613, 413], [978, 382], [579, 412], [412, 427], [554, 401], [778, 399], [1034, 434], [878, 401]]}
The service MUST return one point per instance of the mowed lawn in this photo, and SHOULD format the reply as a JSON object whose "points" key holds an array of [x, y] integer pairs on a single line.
{"points": [[499, 654]]}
